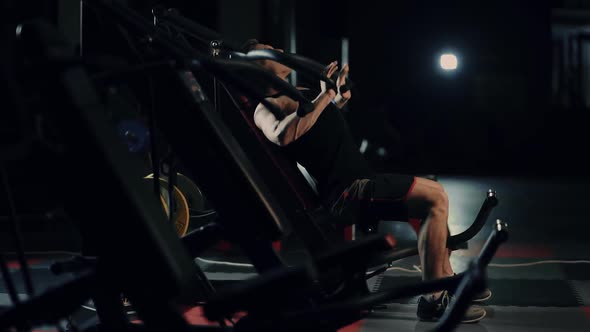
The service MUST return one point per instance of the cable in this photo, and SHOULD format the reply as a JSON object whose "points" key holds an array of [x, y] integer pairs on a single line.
{"points": [[497, 265], [540, 262], [416, 268], [204, 214], [403, 270], [396, 268], [16, 233], [224, 263]]}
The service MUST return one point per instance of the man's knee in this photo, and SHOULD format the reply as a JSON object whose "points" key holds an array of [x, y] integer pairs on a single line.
{"points": [[434, 184], [439, 186], [441, 199], [437, 202], [440, 202]]}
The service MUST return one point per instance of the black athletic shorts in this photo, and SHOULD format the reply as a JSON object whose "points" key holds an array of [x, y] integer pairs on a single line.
{"points": [[382, 197]]}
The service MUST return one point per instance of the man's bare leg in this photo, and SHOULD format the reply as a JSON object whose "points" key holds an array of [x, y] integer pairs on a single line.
{"points": [[432, 238]]}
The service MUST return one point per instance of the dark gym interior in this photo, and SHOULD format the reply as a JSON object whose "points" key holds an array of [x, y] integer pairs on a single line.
{"points": [[120, 118]]}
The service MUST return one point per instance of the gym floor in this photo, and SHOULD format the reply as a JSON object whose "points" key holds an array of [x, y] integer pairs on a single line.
{"points": [[540, 278]]}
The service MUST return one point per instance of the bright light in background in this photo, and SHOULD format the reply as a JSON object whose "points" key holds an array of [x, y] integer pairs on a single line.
{"points": [[449, 61]]}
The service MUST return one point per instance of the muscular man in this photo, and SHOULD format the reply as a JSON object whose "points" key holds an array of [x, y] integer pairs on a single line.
{"points": [[322, 143]]}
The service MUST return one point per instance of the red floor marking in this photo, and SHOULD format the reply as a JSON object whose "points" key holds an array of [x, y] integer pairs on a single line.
{"points": [[16, 264], [524, 251], [354, 327], [587, 311], [223, 246], [513, 251], [195, 316]]}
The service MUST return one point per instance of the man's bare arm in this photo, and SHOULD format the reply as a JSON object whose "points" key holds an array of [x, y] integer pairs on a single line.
{"points": [[291, 127]]}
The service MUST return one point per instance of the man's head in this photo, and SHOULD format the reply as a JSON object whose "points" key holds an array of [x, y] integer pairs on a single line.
{"points": [[277, 68]]}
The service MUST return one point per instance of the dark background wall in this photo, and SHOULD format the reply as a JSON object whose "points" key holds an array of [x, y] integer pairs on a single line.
{"points": [[494, 115], [497, 115], [489, 116]]}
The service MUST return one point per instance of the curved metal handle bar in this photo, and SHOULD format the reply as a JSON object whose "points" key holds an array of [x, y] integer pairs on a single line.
{"points": [[267, 75], [490, 202], [312, 64], [454, 241], [290, 59], [223, 69], [297, 62], [171, 15], [499, 235]]}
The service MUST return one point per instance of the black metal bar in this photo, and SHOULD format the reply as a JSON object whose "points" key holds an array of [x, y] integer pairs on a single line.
{"points": [[16, 233], [8, 280], [225, 69], [50, 306], [490, 202], [391, 256], [295, 61], [355, 252], [107, 298], [18, 150], [474, 280], [376, 272], [260, 293], [471, 283], [467, 283], [74, 265], [91, 142]]}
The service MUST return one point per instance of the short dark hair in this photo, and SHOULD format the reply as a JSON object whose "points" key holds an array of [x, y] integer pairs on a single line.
{"points": [[249, 45]]}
